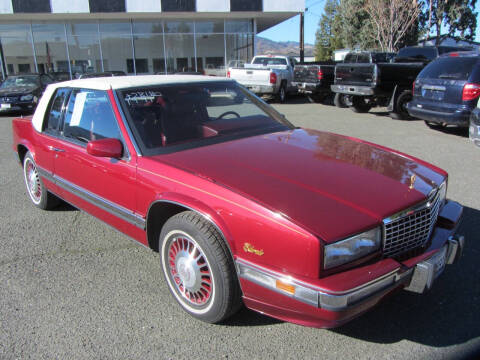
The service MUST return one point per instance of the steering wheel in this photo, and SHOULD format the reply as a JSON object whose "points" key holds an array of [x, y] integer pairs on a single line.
{"points": [[227, 113]]}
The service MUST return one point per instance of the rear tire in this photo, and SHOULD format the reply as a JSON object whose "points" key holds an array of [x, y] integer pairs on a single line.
{"points": [[37, 191], [339, 100], [360, 105], [198, 268], [401, 112], [282, 93]]}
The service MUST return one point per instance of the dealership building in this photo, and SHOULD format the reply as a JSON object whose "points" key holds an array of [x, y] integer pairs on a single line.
{"points": [[134, 36]]}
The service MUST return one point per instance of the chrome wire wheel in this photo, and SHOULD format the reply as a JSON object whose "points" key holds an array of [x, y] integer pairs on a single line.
{"points": [[188, 272], [32, 181]]}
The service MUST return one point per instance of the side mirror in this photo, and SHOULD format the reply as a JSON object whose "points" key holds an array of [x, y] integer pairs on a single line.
{"points": [[111, 148]]}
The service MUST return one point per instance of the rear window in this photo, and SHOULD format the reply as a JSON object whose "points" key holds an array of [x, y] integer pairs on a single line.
{"points": [[455, 68], [270, 61], [350, 58], [417, 53], [363, 58]]}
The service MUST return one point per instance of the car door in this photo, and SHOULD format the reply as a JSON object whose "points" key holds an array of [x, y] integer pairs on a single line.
{"points": [[104, 187], [45, 149]]}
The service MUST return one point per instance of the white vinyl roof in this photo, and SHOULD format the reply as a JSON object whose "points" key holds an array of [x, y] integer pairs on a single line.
{"points": [[122, 82], [114, 82]]}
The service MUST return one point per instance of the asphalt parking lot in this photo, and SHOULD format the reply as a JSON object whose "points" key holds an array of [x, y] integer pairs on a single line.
{"points": [[73, 288]]}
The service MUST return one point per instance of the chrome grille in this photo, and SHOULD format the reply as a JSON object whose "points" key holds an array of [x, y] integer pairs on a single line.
{"points": [[412, 229]]}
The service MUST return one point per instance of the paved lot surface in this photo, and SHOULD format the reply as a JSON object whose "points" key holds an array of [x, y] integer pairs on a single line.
{"points": [[73, 288]]}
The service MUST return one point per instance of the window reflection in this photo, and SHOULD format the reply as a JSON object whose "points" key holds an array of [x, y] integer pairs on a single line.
{"points": [[131, 46]]}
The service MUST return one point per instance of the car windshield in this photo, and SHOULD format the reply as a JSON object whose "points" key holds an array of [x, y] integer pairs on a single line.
{"points": [[23, 81], [176, 117], [270, 61]]}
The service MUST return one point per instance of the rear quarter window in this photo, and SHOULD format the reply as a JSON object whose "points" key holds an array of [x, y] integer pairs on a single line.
{"points": [[454, 68]]}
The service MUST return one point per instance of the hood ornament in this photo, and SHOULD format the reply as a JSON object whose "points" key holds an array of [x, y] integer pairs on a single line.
{"points": [[412, 181]]}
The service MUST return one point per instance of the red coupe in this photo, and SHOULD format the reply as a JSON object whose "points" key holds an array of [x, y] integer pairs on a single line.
{"points": [[302, 225]]}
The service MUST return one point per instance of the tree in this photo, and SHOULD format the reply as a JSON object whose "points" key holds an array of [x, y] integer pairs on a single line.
{"points": [[356, 26], [327, 37], [392, 20], [457, 17]]}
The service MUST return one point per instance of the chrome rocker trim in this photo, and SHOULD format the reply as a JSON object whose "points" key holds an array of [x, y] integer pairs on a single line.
{"points": [[108, 206]]}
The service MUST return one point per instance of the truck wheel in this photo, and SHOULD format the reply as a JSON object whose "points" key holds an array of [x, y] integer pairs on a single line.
{"points": [[339, 100], [401, 112], [360, 105], [37, 191], [198, 268], [282, 93]]}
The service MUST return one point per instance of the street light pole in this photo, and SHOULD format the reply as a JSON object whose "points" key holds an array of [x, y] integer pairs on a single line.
{"points": [[302, 40]]}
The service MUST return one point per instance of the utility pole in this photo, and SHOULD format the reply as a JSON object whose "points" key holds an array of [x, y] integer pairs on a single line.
{"points": [[302, 40]]}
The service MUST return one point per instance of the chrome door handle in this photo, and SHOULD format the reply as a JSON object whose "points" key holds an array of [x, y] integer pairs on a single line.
{"points": [[56, 149]]}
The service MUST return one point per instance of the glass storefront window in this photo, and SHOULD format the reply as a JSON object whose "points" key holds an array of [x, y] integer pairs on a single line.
{"points": [[180, 53], [147, 27], [179, 26], [133, 46], [208, 27], [239, 49], [238, 26], [50, 48], [116, 49], [211, 54], [150, 49], [17, 48]]}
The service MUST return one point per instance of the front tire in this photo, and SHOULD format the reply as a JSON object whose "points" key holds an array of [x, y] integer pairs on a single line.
{"points": [[36, 189], [198, 268], [282, 93]]}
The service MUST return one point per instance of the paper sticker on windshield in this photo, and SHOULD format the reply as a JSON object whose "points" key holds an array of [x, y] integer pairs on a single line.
{"points": [[78, 108], [141, 97]]}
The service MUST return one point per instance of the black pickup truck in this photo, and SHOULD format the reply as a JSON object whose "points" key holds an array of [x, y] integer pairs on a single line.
{"points": [[314, 79], [385, 84]]}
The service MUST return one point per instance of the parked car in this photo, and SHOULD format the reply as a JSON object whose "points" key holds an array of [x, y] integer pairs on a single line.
{"points": [[59, 76], [21, 92], [103, 74], [267, 75], [447, 90], [204, 172], [384, 83]]}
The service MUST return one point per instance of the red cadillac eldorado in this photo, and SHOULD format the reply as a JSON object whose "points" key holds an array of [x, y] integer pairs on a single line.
{"points": [[305, 226]]}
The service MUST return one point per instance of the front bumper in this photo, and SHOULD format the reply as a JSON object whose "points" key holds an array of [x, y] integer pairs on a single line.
{"points": [[459, 117], [336, 299], [17, 106]]}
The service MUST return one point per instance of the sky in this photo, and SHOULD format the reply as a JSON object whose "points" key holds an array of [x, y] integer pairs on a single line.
{"points": [[289, 30]]}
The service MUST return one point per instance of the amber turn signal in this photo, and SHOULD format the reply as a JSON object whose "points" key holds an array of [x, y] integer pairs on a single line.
{"points": [[280, 285]]}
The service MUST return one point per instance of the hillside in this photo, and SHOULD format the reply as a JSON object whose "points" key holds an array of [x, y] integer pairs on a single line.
{"points": [[266, 46]]}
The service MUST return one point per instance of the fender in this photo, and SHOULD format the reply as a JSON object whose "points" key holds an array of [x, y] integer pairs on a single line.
{"points": [[201, 208], [29, 147]]}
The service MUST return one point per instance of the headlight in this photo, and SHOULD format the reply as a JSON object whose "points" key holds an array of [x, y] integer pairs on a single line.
{"points": [[353, 248], [28, 97]]}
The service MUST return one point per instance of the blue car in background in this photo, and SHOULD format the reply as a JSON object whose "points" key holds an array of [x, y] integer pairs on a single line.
{"points": [[446, 91]]}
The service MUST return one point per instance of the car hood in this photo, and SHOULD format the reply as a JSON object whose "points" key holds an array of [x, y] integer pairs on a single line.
{"points": [[331, 185], [17, 90]]}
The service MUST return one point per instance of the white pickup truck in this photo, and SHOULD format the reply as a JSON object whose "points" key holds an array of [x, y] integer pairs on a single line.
{"points": [[267, 75]]}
